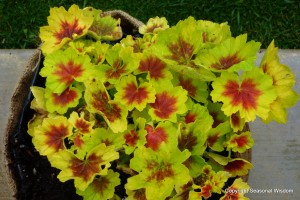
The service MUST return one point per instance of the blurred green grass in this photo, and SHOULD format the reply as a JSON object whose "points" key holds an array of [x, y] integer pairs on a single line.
{"points": [[262, 20]]}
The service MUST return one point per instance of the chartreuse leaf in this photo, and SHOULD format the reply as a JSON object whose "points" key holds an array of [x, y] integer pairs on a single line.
{"points": [[217, 114], [49, 136], [82, 46], [135, 135], [61, 68], [63, 27], [104, 26], [60, 103], [195, 163], [158, 171], [237, 123], [121, 61], [196, 89], [213, 33], [240, 142], [231, 55], [237, 190], [192, 137], [80, 123], [251, 94], [134, 95], [164, 132], [83, 171], [216, 139], [238, 167], [208, 182], [38, 103], [169, 101], [138, 44], [178, 46], [98, 53], [102, 187], [154, 25], [98, 101], [198, 115], [155, 67], [108, 137], [283, 81]]}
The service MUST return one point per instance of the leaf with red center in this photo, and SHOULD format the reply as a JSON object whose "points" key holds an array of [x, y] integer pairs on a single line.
{"points": [[232, 54], [139, 194], [133, 95], [198, 115], [154, 25], [102, 187], [63, 27], [283, 81], [80, 123], [236, 191], [163, 132], [104, 27], [196, 89], [153, 65], [108, 137], [216, 113], [215, 137], [83, 171], [61, 68], [192, 137], [213, 33], [135, 135], [237, 123], [98, 52], [240, 142], [49, 136], [61, 103], [121, 61], [98, 101], [238, 167], [158, 171], [169, 102], [178, 47], [251, 94]]}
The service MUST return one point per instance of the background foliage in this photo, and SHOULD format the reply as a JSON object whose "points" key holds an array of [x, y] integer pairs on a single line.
{"points": [[262, 20]]}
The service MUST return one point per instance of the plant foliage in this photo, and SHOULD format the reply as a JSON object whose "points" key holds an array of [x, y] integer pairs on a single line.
{"points": [[168, 107]]}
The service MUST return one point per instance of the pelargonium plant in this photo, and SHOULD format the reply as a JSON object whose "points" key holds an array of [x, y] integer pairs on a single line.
{"points": [[167, 107]]}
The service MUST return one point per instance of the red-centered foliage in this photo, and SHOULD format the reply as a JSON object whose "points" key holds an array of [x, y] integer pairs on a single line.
{"points": [[164, 105], [64, 98], [235, 165], [226, 62], [190, 118], [67, 30], [187, 141], [246, 95], [111, 110], [187, 84], [235, 119], [68, 71], [140, 194], [100, 184], [154, 66], [118, 68], [212, 139], [131, 138], [241, 140], [55, 136], [182, 51], [86, 168], [161, 173], [78, 142], [82, 125], [155, 137], [134, 94], [217, 121]]}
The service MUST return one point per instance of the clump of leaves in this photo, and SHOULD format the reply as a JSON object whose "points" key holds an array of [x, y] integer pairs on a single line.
{"points": [[168, 108]]}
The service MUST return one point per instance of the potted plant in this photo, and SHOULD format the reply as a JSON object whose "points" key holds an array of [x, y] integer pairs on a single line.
{"points": [[167, 107]]}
